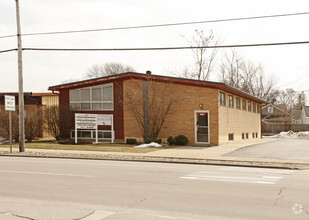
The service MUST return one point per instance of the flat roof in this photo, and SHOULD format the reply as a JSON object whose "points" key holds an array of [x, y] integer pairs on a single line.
{"points": [[161, 78]]}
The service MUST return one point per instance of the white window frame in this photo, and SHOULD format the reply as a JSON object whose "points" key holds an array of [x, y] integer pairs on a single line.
{"points": [[80, 102], [92, 134]]}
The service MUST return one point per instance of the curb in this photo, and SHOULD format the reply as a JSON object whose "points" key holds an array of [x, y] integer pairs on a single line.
{"points": [[197, 161]]}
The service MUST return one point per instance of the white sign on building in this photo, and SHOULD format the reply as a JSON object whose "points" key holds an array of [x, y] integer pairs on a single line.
{"points": [[9, 103], [85, 121], [105, 119]]}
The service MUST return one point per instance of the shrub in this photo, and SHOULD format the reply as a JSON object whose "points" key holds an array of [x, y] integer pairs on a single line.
{"points": [[171, 140], [33, 125], [148, 141], [181, 140], [131, 141]]}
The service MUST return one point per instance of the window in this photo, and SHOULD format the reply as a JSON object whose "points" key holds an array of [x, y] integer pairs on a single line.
{"points": [[88, 134], [237, 102], [92, 98], [254, 107], [231, 137], [222, 98], [247, 135], [270, 109], [256, 135], [249, 106], [257, 108], [253, 135], [242, 135], [244, 105], [231, 104]]}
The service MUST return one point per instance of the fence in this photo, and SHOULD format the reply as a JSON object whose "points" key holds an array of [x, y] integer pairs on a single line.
{"points": [[277, 128]]}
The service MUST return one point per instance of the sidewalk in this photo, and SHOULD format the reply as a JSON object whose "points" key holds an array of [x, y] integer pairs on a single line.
{"points": [[183, 154]]}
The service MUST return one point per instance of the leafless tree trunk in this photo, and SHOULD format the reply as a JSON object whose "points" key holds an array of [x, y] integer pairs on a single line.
{"points": [[204, 58], [161, 96]]}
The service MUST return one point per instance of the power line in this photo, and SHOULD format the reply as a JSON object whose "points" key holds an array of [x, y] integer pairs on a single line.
{"points": [[292, 81], [9, 50], [166, 48], [160, 25]]}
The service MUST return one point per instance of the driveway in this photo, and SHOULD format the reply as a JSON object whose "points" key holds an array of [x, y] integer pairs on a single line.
{"points": [[290, 149]]}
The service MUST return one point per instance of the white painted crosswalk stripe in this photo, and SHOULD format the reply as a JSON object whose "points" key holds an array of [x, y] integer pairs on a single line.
{"points": [[240, 175]]}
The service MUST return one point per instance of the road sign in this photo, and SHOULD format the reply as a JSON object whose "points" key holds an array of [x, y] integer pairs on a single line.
{"points": [[9, 103], [86, 121]]}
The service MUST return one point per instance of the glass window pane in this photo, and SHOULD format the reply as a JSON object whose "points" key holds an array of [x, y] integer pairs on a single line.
{"points": [[85, 94], [74, 95], [202, 120], [108, 93], [107, 135], [86, 134], [75, 106], [96, 94], [107, 106], [85, 106], [100, 134], [96, 106]]}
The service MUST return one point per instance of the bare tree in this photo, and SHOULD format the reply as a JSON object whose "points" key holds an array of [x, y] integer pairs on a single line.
{"points": [[288, 97], [58, 121], [158, 97], [33, 124], [107, 69], [231, 69], [247, 76], [301, 101], [204, 58]]}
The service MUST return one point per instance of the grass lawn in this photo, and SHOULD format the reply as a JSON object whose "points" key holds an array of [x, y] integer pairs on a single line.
{"points": [[108, 147]]}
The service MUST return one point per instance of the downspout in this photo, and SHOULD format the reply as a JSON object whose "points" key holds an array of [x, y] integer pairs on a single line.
{"points": [[145, 107]]}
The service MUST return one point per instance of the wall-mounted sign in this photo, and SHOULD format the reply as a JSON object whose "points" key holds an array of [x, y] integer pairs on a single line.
{"points": [[9, 103]]}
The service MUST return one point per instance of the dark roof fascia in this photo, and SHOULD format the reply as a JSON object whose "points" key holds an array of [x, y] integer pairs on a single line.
{"points": [[133, 75]]}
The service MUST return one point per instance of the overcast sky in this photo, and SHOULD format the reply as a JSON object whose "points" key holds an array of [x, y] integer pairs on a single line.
{"points": [[43, 69]]}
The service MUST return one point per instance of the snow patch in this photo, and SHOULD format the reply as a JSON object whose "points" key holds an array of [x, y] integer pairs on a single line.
{"points": [[292, 134], [152, 144]]}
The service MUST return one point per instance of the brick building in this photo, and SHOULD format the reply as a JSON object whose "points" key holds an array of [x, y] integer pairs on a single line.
{"points": [[206, 112]]}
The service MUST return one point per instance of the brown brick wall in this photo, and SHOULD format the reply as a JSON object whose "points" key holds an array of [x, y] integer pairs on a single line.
{"points": [[181, 117], [64, 100]]}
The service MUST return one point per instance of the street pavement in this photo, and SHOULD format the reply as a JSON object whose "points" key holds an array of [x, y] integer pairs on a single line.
{"points": [[282, 148], [48, 188], [215, 155]]}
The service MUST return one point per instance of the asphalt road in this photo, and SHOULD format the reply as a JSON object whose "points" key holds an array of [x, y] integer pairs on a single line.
{"points": [[284, 148], [37, 188]]}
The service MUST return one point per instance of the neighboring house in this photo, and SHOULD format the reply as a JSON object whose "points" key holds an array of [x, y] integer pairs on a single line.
{"points": [[31, 104], [210, 112], [275, 114], [304, 115], [296, 115], [48, 98]]}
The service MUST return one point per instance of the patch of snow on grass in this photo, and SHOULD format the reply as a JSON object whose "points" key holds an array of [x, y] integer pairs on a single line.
{"points": [[292, 134], [152, 144]]}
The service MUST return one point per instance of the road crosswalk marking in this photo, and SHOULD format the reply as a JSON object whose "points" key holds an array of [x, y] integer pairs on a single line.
{"points": [[240, 175]]}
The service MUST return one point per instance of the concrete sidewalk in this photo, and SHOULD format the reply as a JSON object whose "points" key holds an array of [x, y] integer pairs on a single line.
{"points": [[183, 154]]}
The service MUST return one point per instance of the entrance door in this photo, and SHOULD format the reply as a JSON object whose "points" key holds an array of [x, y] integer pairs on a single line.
{"points": [[202, 127]]}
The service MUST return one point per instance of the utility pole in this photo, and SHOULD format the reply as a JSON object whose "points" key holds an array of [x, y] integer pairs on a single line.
{"points": [[20, 84]]}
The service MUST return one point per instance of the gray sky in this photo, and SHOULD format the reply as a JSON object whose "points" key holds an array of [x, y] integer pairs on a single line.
{"points": [[43, 69]]}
